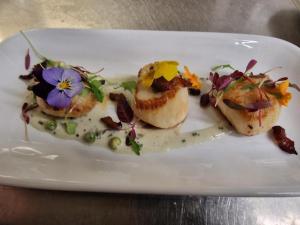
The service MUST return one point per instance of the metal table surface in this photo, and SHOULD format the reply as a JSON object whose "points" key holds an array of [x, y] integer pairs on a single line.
{"points": [[279, 18]]}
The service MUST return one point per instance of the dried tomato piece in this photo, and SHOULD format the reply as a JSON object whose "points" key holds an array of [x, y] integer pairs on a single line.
{"points": [[117, 97], [124, 111], [287, 145], [205, 100], [161, 85], [278, 132], [108, 121], [194, 91], [284, 143]]}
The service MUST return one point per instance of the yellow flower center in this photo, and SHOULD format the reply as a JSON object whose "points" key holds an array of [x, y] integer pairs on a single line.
{"points": [[65, 84]]}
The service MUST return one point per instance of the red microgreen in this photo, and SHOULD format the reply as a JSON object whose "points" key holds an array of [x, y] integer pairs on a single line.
{"points": [[27, 60], [109, 123], [221, 82], [130, 136], [293, 85], [130, 141], [125, 114], [284, 143], [250, 65], [236, 75], [25, 108]]}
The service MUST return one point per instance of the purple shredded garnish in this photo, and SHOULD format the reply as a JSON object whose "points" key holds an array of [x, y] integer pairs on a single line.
{"points": [[262, 104], [250, 65], [252, 107], [109, 123], [27, 60]]}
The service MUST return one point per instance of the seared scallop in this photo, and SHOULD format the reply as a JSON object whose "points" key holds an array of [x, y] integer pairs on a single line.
{"points": [[162, 109], [250, 122], [79, 106]]}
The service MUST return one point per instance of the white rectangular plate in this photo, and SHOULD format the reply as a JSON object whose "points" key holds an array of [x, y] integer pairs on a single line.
{"points": [[231, 165]]}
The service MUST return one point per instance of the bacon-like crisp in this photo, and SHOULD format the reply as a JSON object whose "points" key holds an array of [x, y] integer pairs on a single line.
{"points": [[284, 143], [157, 102], [205, 100], [108, 121]]}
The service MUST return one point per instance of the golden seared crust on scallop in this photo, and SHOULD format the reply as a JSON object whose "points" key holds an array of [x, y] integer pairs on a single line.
{"points": [[80, 106], [161, 109], [246, 122]]}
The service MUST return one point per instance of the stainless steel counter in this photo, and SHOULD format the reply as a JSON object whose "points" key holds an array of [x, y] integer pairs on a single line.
{"points": [[279, 18]]}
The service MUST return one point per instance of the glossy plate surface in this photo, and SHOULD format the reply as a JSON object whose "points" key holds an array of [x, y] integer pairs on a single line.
{"points": [[230, 165]]}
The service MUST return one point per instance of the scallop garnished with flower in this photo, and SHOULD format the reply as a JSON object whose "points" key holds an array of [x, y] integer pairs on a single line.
{"points": [[62, 90], [161, 97]]}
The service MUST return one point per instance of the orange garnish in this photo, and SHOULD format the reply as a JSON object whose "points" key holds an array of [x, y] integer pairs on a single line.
{"points": [[196, 83], [284, 100], [285, 95]]}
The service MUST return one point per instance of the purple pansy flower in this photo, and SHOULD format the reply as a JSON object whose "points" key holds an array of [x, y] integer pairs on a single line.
{"points": [[67, 83]]}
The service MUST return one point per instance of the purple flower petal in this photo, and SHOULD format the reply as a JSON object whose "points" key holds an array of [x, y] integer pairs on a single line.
{"points": [[58, 99], [74, 90], [250, 65], [53, 75], [71, 75]]}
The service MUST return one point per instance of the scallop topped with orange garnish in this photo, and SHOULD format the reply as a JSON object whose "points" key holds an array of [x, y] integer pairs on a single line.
{"points": [[161, 97], [251, 103]]}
